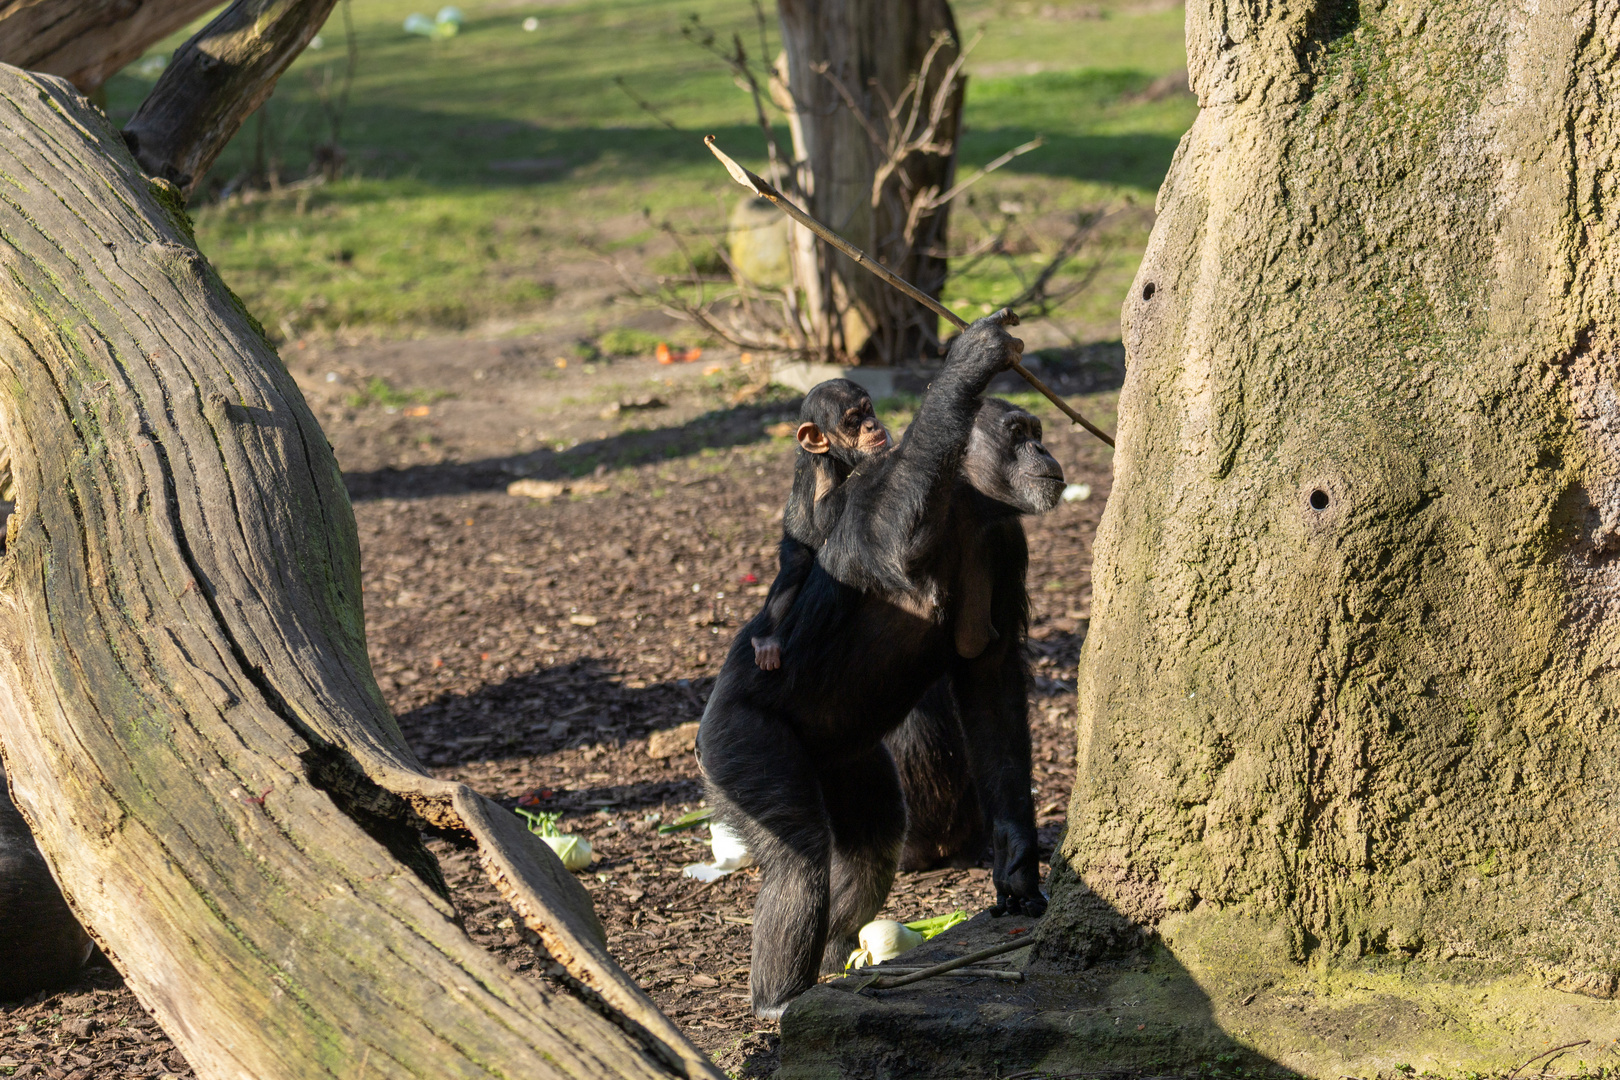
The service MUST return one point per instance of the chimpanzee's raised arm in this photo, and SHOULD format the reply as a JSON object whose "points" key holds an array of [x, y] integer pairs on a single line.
{"points": [[885, 523]]}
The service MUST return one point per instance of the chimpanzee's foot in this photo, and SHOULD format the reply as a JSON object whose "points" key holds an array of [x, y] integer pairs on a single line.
{"points": [[770, 1012], [1032, 907], [767, 653]]}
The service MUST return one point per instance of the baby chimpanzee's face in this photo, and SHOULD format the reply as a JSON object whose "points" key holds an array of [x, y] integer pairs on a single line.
{"points": [[837, 418], [862, 429]]}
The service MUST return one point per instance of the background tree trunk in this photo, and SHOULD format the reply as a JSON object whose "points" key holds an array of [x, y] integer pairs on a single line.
{"points": [[1349, 693], [873, 48], [187, 713], [87, 41]]}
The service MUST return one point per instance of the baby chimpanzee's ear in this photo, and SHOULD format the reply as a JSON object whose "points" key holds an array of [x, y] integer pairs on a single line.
{"points": [[812, 439]]}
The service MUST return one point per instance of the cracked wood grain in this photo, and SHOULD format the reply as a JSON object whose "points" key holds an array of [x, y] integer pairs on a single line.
{"points": [[215, 81], [87, 41], [187, 711]]}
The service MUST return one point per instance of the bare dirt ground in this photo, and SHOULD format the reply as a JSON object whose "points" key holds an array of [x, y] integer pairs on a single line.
{"points": [[531, 647]]}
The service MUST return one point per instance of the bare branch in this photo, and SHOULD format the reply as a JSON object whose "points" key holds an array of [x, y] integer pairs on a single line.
{"points": [[1036, 292], [87, 41], [760, 187], [646, 106], [824, 69], [962, 185], [701, 314], [214, 83]]}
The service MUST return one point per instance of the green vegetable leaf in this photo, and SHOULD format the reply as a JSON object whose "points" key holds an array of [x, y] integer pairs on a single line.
{"points": [[689, 820], [938, 924], [541, 822]]}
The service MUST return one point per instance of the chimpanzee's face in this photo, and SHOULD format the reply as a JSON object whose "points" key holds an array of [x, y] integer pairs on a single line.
{"points": [[837, 418], [1006, 460]]}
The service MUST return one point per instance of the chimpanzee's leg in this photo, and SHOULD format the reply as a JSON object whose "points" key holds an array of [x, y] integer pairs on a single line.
{"points": [[944, 825], [42, 946], [868, 816], [760, 782], [992, 695]]}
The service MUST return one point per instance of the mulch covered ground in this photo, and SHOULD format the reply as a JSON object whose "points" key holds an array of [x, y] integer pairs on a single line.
{"points": [[530, 648]]}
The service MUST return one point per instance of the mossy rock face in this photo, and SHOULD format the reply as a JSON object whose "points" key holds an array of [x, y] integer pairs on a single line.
{"points": [[1351, 679], [1173, 1010], [757, 239]]}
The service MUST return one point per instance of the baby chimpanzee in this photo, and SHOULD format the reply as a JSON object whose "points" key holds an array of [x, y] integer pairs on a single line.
{"points": [[837, 431], [41, 945]]}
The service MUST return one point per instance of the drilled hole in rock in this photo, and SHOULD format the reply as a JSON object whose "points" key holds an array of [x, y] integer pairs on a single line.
{"points": [[1319, 499], [1148, 290]]}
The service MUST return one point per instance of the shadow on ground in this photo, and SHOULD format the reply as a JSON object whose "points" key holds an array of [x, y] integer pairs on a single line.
{"points": [[1090, 369], [546, 709], [739, 426]]}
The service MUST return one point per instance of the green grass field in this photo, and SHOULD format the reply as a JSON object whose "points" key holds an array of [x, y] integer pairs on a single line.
{"points": [[480, 167]]}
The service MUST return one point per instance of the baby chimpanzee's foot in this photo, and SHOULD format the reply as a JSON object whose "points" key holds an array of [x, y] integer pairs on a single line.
{"points": [[767, 653]]}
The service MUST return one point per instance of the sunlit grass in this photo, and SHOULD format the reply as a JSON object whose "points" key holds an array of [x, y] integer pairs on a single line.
{"points": [[479, 165]]}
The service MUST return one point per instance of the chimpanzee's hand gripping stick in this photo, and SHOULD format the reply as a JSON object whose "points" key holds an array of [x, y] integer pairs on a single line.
{"points": [[759, 186]]}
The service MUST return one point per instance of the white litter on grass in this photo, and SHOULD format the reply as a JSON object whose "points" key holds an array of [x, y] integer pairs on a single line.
{"points": [[730, 854], [1077, 493], [447, 23], [531, 24]]}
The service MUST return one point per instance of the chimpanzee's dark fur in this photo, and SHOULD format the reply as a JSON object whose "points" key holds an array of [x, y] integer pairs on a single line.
{"points": [[793, 759], [840, 410], [42, 946], [945, 825], [950, 782]]}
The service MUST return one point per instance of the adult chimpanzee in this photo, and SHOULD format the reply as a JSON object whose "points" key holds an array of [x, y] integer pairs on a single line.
{"points": [[793, 759], [837, 431], [41, 945], [943, 768]]}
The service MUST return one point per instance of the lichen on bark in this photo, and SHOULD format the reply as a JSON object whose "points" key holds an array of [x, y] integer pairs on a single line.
{"points": [[188, 718]]}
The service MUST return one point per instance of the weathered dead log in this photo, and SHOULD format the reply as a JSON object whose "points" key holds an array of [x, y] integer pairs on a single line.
{"points": [[215, 81], [86, 41], [187, 712]]}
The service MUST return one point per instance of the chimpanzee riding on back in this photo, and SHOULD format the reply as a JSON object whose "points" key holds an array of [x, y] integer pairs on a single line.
{"points": [[793, 759], [837, 431]]}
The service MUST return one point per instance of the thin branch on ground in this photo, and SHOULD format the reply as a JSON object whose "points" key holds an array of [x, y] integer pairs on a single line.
{"points": [[1547, 1053]]}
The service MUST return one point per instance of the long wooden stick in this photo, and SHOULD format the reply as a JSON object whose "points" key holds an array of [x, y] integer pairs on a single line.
{"points": [[1004, 974], [889, 983], [761, 187]]}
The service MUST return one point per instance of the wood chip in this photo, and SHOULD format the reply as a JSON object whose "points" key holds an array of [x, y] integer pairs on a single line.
{"points": [[662, 745]]}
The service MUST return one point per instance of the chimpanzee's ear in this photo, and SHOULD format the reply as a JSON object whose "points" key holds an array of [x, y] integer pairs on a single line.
{"points": [[811, 438]]}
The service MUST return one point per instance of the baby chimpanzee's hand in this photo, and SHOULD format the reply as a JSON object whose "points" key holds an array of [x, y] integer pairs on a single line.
{"points": [[986, 342]]}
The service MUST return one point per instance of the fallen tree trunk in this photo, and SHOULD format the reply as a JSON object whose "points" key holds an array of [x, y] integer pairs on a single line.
{"points": [[187, 712], [87, 41]]}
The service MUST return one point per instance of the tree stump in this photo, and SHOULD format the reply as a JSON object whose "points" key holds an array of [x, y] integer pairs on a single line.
{"points": [[1348, 700], [187, 712]]}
